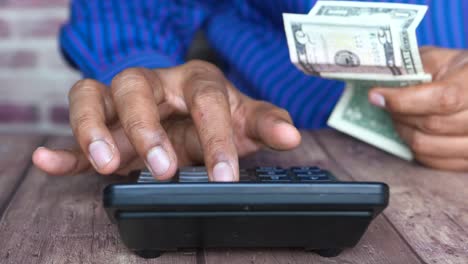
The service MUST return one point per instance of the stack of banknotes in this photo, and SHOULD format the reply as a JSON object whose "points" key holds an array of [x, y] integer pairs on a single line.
{"points": [[365, 45]]}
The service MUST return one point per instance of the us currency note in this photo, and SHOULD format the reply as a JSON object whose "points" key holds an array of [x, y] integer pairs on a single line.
{"points": [[355, 116], [406, 17], [320, 45], [392, 60]]}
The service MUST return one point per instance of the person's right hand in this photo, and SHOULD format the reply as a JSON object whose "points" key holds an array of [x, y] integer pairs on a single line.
{"points": [[163, 119]]}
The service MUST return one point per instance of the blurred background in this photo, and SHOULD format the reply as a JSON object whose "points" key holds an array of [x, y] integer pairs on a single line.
{"points": [[34, 79]]}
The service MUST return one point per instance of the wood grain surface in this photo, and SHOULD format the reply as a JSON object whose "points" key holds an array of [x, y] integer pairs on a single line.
{"points": [[15, 160], [380, 244], [428, 208], [61, 220]]}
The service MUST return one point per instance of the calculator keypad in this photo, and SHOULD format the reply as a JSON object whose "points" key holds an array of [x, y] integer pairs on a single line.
{"points": [[193, 174], [293, 174], [311, 174]]}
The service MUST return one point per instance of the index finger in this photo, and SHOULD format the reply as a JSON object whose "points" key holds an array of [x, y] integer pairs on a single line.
{"points": [[440, 97], [207, 99], [136, 93]]}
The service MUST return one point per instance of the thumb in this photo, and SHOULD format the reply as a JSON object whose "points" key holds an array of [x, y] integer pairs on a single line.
{"points": [[60, 162], [272, 126]]}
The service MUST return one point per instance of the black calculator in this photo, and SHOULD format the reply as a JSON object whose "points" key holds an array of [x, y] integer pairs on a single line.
{"points": [[296, 207]]}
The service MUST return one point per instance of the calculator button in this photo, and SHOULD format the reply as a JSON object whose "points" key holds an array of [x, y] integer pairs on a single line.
{"points": [[193, 178], [146, 177], [265, 169], [201, 171], [304, 173], [244, 176], [272, 175], [309, 174], [145, 173], [314, 179], [273, 179], [305, 168], [146, 180], [266, 172]]}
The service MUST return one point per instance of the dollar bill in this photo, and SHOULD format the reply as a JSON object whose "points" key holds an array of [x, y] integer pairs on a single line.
{"points": [[365, 45], [405, 16], [320, 45], [355, 116], [356, 77]]}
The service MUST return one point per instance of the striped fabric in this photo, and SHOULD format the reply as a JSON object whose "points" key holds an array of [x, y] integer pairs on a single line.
{"points": [[103, 37]]}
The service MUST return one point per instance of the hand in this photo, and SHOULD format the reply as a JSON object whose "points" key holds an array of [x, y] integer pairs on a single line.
{"points": [[432, 118], [166, 118]]}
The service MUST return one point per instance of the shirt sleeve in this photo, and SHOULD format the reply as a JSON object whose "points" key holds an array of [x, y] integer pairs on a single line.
{"points": [[104, 37]]}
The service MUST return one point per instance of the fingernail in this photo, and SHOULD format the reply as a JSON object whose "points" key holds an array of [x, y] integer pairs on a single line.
{"points": [[158, 160], [222, 172], [100, 152], [377, 100]]}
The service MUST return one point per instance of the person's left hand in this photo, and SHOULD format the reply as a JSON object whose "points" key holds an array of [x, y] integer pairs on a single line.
{"points": [[432, 118]]}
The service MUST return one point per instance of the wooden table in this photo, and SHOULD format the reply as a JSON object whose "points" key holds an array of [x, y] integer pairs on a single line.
{"points": [[61, 220]]}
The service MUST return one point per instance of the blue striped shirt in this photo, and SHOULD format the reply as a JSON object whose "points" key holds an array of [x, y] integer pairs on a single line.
{"points": [[103, 37]]}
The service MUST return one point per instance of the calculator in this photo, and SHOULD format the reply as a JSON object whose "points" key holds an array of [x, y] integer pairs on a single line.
{"points": [[270, 207]]}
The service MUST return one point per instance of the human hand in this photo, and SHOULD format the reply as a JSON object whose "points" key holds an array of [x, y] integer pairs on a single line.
{"points": [[432, 118], [166, 118]]}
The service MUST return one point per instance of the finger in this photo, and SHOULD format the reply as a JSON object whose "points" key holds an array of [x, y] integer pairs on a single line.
{"points": [[441, 97], [459, 60], [88, 121], [136, 94], [454, 124], [206, 96], [272, 126], [433, 145], [60, 162], [71, 162], [184, 137], [436, 60], [444, 164]]}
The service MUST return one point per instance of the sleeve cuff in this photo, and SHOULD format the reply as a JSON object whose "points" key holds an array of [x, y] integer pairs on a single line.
{"points": [[148, 59]]}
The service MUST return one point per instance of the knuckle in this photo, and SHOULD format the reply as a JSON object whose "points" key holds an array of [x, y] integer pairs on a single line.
{"points": [[202, 70], [215, 143], [82, 86], [136, 125], [418, 143], [206, 94], [450, 99], [200, 67], [128, 78], [205, 83], [433, 124], [82, 124]]}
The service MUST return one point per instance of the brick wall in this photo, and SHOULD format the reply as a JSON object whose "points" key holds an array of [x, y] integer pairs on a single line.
{"points": [[34, 80]]}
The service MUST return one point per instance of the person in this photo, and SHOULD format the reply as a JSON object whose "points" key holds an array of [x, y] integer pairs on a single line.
{"points": [[142, 104]]}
